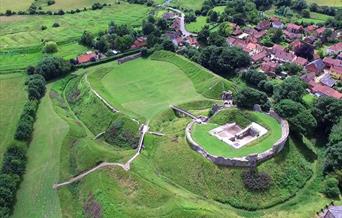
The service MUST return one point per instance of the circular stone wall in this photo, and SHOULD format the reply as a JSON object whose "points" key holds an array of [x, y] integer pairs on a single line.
{"points": [[222, 153]]}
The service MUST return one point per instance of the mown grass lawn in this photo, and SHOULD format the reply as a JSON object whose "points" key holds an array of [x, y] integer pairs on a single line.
{"points": [[12, 100], [145, 87], [197, 26], [217, 147], [36, 197]]}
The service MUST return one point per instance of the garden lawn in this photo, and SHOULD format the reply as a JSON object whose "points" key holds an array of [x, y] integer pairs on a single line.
{"points": [[197, 26], [12, 100], [216, 147], [145, 87], [18, 5], [25, 31], [219, 9], [36, 197]]}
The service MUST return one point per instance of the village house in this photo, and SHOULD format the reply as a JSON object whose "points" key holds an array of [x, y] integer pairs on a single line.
{"points": [[336, 72], [329, 62], [269, 66], [327, 80], [316, 66], [263, 25], [310, 29], [332, 212], [290, 36], [276, 23], [139, 42], [335, 49], [257, 57], [90, 56], [296, 44], [300, 61], [319, 32], [310, 39], [282, 56], [192, 41], [339, 57], [321, 90], [294, 28], [169, 16]]}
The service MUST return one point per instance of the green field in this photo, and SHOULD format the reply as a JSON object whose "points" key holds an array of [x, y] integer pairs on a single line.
{"points": [[197, 26], [189, 4], [335, 3], [12, 100], [25, 31], [36, 198], [216, 147], [17, 5], [78, 4]]}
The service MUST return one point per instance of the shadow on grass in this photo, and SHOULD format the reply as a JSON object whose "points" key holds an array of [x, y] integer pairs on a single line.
{"points": [[303, 148]]}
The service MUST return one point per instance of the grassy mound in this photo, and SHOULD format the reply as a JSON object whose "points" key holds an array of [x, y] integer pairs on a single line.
{"points": [[12, 100], [215, 146], [172, 158], [206, 83], [144, 87]]}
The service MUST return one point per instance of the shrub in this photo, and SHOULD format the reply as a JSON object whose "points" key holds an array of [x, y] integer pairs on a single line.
{"points": [[50, 47], [55, 25], [255, 181], [36, 86], [43, 27], [51, 2], [30, 70], [331, 189], [248, 97]]}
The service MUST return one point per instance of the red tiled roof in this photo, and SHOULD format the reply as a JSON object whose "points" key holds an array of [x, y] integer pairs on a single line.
{"points": [[284, 56], [259, 34], [336, 47], [300, 61], [326, 90], [86, 58], [332, 62], [296, 44], [269, 66], [321, 30], [139, 42], [259, 56], [292, 26], [311, 28]]}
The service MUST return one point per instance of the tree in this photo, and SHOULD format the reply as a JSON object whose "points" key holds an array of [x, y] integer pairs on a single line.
{"points": [[203, 35], [253, 77], [102, 45], [161, 23], [277, 36], [87, 39], [333, 157], [248, 97], [306, 13], [299, 5], [168, 45], [292, 88], [242, 11], [305, 51], [55, 25], [263, 4], [52, 67], [50, 47], [36, 87], [225, 29], [335, 135], [30, 70], [213, 16], [216, 39], [124, 42], [330, 188], [148, 28], [327, 111]]}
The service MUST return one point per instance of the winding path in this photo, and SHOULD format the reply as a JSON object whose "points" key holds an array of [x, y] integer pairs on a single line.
{"points": [[143, 130]]}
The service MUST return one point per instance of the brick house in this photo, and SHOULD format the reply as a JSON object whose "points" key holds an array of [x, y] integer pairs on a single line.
{"points": [[294, 28], [335, 49], [336, 72], [315, 66], [88, 57], [139, 42], [329, 62], [263, 25]]}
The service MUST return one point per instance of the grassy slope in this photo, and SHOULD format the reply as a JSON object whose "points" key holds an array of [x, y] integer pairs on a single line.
{"points": [[197, 26], [12, 99], [75, 4], [335, 3], [24, 31], [219, 148], [36, 198], [19, 5]]}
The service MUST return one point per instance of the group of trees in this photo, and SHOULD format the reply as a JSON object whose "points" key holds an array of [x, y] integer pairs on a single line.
{"points": [[258, 80], [25, 124], [51, 67], [223, 60], [248, 97], [118, 37], [13, 168], [273, 36], [242, 12]]}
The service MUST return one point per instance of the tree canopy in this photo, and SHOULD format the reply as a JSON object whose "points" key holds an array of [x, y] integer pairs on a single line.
{"points": [[292, 88]]}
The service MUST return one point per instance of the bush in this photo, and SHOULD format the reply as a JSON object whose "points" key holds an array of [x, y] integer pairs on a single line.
{"points": [[55, 25], [51, 2], [50, 47], [36, 87], [253, 77], [248, 97], [330, 188], [255, 181], [43, 27]]}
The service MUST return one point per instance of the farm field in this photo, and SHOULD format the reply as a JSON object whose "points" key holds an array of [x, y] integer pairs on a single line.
{"points": [[78, 4], [17, 5], [335, 3], [25, 31], [36, 198], [12, 100], [197, 26], [219, 148]]}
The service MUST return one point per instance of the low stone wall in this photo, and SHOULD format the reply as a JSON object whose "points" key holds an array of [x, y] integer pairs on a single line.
{"points": [[247, 161]]}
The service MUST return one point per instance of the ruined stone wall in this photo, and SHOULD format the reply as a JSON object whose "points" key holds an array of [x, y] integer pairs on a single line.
{"points": [[248, 161]]}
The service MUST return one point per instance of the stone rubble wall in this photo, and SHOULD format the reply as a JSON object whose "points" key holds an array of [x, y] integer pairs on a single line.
{"points": [[247, 161]]}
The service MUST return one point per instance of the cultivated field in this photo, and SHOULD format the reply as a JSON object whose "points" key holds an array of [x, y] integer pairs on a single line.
{"points": [[27, 31], [219, 148], [17, 5], [195, 5], [12, 100]]}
